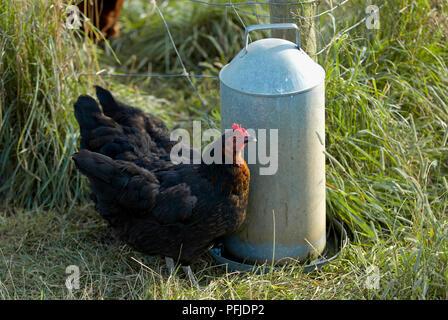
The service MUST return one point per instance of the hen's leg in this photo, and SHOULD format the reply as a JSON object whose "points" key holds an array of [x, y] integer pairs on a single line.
{"points": [[170, 265], [191, 276]]}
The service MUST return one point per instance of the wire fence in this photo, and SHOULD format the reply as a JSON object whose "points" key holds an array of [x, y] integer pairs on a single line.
{"points": [[240, 8], [236, 6]]}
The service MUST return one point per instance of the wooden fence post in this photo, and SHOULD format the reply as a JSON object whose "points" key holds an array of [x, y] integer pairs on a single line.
{"points": [[290, 13]]}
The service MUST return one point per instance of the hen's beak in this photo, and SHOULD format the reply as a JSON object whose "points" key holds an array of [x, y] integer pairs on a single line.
{"points": [[249, 139]]}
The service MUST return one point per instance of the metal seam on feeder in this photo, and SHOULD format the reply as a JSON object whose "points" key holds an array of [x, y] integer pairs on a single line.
{"points": [[273, 95]]}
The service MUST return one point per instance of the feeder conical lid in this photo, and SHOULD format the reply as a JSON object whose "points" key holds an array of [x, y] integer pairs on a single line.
{"points": [[272, 67]]}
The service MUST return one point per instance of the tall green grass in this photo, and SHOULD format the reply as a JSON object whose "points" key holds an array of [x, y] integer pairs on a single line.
{"points": [[387, 119], [40, 63]]}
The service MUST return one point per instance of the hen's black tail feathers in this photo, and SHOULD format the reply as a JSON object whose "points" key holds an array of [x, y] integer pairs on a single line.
{"points": [[95, 165], [129, 116], [108, 102], [87, 111]]}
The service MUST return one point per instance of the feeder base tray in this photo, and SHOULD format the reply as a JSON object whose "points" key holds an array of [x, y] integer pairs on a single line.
{"points": [[336, 242]]}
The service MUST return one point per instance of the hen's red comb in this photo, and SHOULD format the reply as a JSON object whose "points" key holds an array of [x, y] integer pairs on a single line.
{"points": [[238, 127]]}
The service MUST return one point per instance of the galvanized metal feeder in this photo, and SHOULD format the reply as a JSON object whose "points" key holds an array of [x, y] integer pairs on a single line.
{"points": [[273, 84]]}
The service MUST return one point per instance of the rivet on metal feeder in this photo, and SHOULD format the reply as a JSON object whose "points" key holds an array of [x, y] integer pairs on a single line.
{"points": [[274, 84]]}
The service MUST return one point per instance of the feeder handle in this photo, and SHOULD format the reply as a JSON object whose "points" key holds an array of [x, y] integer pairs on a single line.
{"points": [[256, 27]]}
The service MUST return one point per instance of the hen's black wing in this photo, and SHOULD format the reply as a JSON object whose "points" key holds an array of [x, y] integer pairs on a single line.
{"points": [[125, 190]]}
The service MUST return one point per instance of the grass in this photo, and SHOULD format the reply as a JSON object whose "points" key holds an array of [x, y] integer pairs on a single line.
{"points": [[387, 154], [40, 64]]}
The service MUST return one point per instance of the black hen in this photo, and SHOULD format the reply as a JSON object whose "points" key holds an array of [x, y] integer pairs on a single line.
{"points": [[177, 211]]}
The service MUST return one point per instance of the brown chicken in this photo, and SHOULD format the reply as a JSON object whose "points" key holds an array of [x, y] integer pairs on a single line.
{"points": [[103, 14], [158, 208]]}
